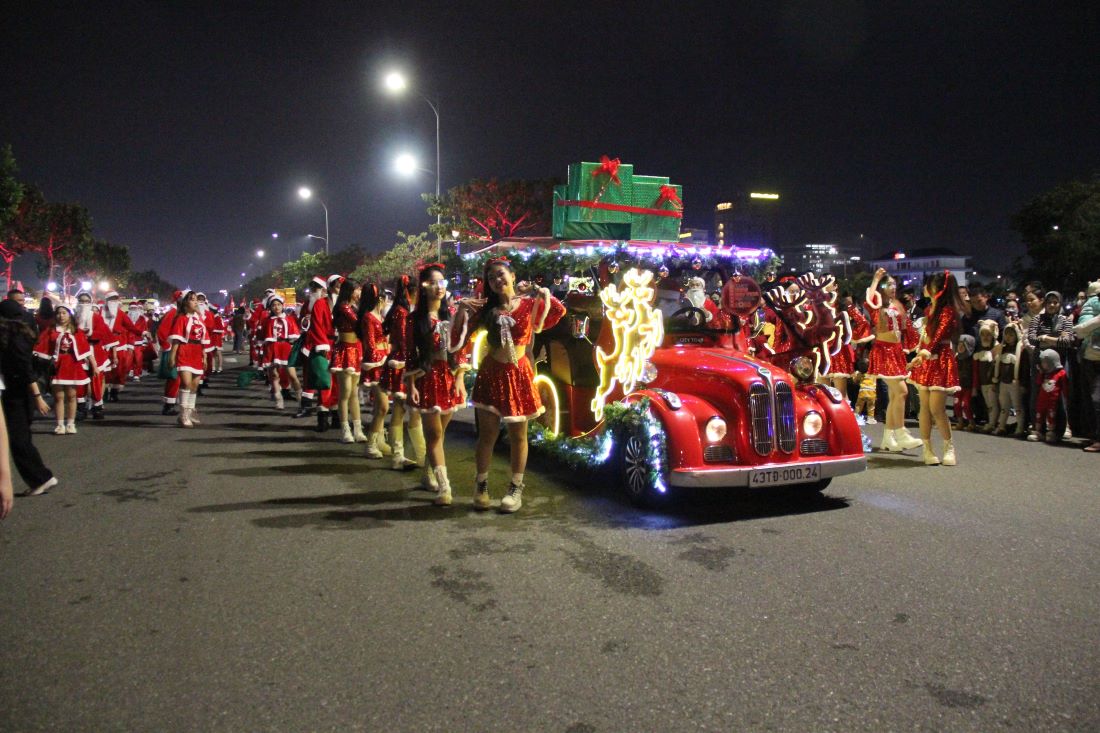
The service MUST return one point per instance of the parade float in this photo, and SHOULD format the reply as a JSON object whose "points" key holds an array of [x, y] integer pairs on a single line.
{"points": [[649, 374]]}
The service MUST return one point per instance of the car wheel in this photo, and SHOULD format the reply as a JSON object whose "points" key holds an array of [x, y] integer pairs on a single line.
{"points": [[639, 481]]}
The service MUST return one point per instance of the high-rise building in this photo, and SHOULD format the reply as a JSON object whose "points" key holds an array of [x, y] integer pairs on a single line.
{"points": [[749, 220]]}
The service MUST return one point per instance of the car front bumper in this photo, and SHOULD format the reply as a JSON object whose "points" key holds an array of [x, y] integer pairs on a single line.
{"points": [[741, 475]]}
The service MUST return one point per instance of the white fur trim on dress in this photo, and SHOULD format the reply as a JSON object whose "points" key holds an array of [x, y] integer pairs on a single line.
{"points": [[394, 364], [509, 418], [439, 410], [948, 390], [69, 382], [190, 370]]}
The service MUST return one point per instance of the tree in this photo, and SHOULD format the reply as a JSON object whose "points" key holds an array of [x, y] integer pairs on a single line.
{"points": [[406, 257], [148, 282], [493, 210], [1061, 231], [12, 243]]}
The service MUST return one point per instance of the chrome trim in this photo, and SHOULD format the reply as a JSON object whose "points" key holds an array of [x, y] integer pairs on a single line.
{"points": [[718, 453], [814, 447], [735, 477], [784, 417], [761, 409]]}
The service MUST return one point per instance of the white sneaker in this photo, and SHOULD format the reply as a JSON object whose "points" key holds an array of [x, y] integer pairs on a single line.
{"points": [[345, 435], [39, 490], [513, 500], [871, 420], [444, 497], [59, 430], [357, 432], [949, 453], [428, 481], [482, 500], [70, 429]]}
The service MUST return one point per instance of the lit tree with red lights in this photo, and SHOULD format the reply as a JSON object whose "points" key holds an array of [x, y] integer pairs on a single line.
{"points": [[493, 210]]}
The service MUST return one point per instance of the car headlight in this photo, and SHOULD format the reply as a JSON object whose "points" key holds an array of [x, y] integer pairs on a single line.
{"points": [[812, 424], [802, 368], [715, 430]]}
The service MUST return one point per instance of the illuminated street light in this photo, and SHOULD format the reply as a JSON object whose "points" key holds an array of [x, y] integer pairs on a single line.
{"points": [[305, 193], [260, 253], [395, 82], [104, 286], [243, 275], [274, 235], [85, 284], [406, 165], [51, 286]]}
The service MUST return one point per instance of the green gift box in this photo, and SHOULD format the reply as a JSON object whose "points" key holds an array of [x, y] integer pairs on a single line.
{"points": [[569, 222], [654, 227], [591, 184]]}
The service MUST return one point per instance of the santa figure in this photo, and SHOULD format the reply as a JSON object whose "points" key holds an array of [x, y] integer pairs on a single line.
{"points": [[696, 295], [125, 334], [136, 313], [103, 341]]}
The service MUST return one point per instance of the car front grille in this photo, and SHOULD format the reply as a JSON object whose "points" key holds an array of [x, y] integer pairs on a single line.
{"points": [[760, 409], [784, 417], [718, 454], [814, 447]]}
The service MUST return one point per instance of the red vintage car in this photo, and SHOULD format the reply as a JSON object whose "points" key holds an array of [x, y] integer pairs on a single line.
{"points": [[715, 415]]}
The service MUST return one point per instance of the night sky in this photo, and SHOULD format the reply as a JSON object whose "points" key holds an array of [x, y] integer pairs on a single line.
{"points": [[186, 128]]}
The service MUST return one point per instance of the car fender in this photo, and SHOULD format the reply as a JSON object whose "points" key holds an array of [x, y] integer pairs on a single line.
{"points": [[841, 426], [683, 426]]}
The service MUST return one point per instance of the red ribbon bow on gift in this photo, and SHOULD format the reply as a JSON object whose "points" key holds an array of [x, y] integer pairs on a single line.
{"points": [[668, 193], [610, 167]]}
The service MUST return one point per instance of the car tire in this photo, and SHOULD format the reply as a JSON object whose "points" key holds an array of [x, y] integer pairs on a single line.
{"points": [[635, 460]]}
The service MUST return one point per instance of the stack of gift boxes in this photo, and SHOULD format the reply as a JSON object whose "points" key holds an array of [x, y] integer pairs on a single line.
{"points": [[607, 201]]}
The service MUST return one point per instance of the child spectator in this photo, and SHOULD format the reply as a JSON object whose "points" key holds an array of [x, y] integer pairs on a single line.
{"points": [[1049, 407], [986, 353], [1014, 361], [865, 401], [964, 353]]}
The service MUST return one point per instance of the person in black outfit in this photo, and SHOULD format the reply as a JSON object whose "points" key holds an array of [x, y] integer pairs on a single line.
{"points": [[21, 395]]}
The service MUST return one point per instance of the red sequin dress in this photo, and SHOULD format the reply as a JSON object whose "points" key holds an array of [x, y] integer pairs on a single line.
{"points": [[856, 330], [392, 380], [348, 353], [189, 332], [69, 352], [938, 369], [436, 390], [887, 358], [376, 348], [280, 333], [507, 388]]}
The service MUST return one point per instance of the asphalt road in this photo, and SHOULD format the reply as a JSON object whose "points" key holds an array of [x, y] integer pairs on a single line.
{"points": [[253, 575]]}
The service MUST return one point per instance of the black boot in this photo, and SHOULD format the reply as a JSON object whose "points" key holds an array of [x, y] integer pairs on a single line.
{"points": [[82, 412], [335, 422], [322, 421], [306, 408], [97, 412], [168, 409]]}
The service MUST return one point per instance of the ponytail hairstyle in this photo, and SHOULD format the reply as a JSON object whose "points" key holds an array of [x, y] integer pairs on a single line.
{"points": [[368, 300], [493, 300], [400, 304], [347, 288], [944, 289], [422, 345]]}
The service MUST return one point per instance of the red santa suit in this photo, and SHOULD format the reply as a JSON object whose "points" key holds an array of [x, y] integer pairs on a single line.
{"points": [[164, 330], [348, 352], [432, 374], [125, 334], [69, 352], [507, 388], [376, 347], [280, 333], [318, 340], [103, 341], [256, 331], [189, 332], [141, 324]]}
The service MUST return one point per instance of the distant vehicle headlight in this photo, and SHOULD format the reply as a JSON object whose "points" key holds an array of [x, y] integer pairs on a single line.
{"points": [[802, 368], [812, 424], [715, 430]]}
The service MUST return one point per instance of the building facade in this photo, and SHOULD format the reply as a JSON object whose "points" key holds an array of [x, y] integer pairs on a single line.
{"points": [[750, 220], [909, 267]]}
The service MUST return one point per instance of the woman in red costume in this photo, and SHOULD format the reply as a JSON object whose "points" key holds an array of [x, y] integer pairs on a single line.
{"points": [[436, 388], [505, 390], [347, 358], [855, 330], [68, 349], [394, 325], [280, 331], [893, 332], [376, 347], [935, 369], [189, 340]]}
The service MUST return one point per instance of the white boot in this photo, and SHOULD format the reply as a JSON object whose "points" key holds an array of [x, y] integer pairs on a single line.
{"points": [[930, 457], [345, 434], [889, 444], [513, 500], [906, 441], [428, 481], [419, 445], [397, 442], [948, 453], [192, 411], [185, 417], [444, 498], [357, 431], [383, 444], [373, 451], [279, 404]]}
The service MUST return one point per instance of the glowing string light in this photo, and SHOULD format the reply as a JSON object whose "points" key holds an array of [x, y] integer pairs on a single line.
{"points": [[555, 429]]}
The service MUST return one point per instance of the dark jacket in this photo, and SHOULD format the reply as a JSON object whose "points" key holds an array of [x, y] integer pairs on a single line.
{"points": [[16, 362]]}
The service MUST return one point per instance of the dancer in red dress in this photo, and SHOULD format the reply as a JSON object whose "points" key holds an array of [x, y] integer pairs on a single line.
{"points": [[856, 331], [190, 340], [893, 332], [71, 357], [280, 333], [376, 348], [935, 371], [393, 384], [347, 360], [504, 389], [435, 385]]}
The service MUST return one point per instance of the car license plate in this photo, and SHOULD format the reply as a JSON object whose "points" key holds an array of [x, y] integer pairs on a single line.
{"points": [[800, 474]]}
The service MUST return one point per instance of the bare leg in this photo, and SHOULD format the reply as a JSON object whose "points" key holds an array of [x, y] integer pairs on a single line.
{"points": [[381, 407], [435, 425], [70, 401], [517, 439], [938, 408], [60, 397], [488, 430], [292, 375], [925, 415], [895, 408]]}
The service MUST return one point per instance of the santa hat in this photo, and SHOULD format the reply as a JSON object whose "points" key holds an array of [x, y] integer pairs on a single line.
{"points": [[111, 295], [317, 282], [337, 279], [16, 287], [83, 292], [269, 291], [200, 295], [176, 295], [270, 300]]}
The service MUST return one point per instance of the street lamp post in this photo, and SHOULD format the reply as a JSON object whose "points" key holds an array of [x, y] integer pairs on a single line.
{"points": [[396, 83], [305, 193]]}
